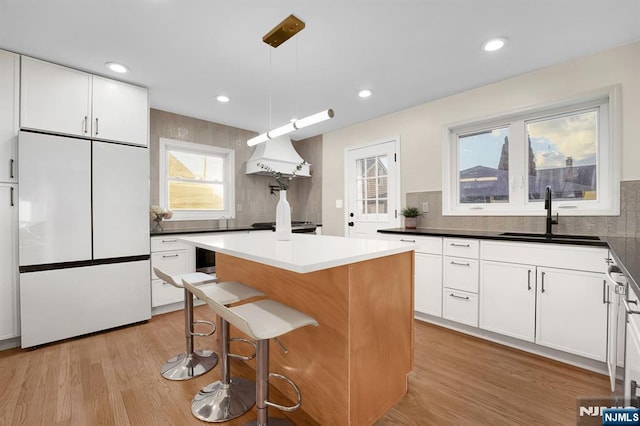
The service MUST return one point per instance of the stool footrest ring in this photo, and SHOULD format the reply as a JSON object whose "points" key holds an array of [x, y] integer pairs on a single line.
{"points": [[209, 323], [244, 357], [295, 388]]}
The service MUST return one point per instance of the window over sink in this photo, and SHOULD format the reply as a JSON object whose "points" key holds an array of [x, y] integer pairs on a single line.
{"points": [[197, 181], [501, 165]]}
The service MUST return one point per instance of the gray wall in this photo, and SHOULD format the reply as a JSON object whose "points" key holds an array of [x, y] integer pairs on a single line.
{"points": [[625, 225], [252, 191]]}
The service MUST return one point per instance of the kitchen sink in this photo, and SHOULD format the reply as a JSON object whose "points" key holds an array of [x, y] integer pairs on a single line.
{"points": [[551, 237]]}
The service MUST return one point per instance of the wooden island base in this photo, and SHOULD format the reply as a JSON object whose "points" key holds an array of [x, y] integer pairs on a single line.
{"points": [[352, 368]]}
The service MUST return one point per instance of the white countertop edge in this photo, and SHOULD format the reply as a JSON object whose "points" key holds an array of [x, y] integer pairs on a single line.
{"points": [[324, 258]]}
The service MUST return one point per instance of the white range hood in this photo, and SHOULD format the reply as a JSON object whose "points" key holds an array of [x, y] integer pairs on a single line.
{"points": [[278, 154]]}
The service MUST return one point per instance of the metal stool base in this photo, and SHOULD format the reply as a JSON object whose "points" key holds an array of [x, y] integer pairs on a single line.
{"points": [[272, 421], [187, 366], [218, 402]]}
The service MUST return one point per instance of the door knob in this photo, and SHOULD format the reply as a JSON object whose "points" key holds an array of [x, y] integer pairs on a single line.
{"points": [[351, 214], [350, 224]]}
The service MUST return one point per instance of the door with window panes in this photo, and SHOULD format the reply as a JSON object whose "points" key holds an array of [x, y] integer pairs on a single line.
{"points": [[373, 186]]}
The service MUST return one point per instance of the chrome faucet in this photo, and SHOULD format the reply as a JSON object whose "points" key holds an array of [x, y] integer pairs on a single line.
{"points": [[547, 205]]}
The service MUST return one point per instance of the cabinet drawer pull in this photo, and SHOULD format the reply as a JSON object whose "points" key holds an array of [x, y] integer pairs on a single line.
{"points": [[96, 125], [460, 263], [11, 176], [170, 241], [170, 255], [529, 280], [11, 202], [407, 241], [458, 245], [459, 297], [605, 298], [542, 281], [85, 123]]}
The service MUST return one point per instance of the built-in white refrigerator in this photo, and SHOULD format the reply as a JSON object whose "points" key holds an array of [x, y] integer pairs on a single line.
{"points": [[83, 236]]}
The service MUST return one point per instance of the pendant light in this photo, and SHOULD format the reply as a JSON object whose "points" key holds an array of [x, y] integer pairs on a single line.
{"points": [[282, 32]]}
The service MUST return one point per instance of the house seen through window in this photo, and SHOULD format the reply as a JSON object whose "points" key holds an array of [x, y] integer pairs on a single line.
{"points": [[503, 165]]}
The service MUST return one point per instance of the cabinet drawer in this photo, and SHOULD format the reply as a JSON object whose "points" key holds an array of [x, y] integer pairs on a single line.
{"points": [[460, 306], [171, 262], [164, 294], [461, 273], [430, 245], [461, 247], [167, 243]]}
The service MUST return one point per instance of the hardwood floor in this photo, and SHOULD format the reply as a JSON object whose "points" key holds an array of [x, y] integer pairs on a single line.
{"points": [[113, 378]]}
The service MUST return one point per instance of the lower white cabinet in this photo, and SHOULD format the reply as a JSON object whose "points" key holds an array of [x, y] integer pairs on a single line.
{"points": [[62, 303], [508, 299], [460, 306], [173, 257], [9, 313], [572, 312], [428, 284]]}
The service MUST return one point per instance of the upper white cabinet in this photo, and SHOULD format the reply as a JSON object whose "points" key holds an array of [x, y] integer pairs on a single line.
{"points": [[9, 90], [65, 101]]}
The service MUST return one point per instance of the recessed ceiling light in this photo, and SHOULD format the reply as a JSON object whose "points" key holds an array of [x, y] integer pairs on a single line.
{"points": [[222, 98], [116, 67], [365, 93], [494, 44]]}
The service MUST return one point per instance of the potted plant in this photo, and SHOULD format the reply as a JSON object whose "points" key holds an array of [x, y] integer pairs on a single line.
{"points": [[410, 217]]}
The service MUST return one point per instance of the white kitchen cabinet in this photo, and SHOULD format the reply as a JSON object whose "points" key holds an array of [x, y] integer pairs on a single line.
{"points": [[120, 111], [9, 313], [122, 216], [173, 257], [508, 299], [61, 303], [427, 272], [65, 101], [9, 91], [571, 312], [460, 306], [632, 349]]}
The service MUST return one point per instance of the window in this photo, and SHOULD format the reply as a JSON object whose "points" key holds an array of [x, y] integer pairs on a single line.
{"points": [[197, 181], [502, 165], [371, 183]]}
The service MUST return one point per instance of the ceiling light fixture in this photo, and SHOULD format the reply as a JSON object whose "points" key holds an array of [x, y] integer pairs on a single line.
{"points": [[494, 44], [292, 127], [223, 99], [365, 93], [116, 67], [282, 32]]}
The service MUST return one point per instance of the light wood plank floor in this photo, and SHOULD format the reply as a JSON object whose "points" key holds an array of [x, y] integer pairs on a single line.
{"points": [[112, 378]]}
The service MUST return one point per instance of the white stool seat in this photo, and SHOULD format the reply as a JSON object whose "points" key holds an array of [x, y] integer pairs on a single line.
{"points": [[266, 319], [195, 278], [226, 292]]}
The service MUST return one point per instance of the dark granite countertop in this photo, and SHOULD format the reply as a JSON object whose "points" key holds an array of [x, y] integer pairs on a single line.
{"points": [[625, 250], [201, 230]]}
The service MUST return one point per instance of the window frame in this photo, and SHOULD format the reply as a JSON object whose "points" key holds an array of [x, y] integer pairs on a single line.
{"points": [[607, 100], [228, 157]]}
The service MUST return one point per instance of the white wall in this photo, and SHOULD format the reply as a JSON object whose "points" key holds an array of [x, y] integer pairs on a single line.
{"points": [[420, 128]]}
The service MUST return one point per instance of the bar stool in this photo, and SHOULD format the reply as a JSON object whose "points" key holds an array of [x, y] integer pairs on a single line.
{"points": [[189, 364], [227, 398], [263, 320]]}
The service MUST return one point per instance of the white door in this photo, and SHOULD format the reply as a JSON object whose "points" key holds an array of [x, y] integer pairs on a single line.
{"points": [[55, 199], [120, 200], [372, 189]]}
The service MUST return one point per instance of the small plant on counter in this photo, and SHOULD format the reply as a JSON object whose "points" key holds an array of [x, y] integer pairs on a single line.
{"points": [[283, 180], [410, 217], [158, 214], [410, 212]]}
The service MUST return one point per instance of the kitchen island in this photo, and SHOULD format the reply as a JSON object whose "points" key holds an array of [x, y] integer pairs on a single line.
{"points": [[353, 367]]}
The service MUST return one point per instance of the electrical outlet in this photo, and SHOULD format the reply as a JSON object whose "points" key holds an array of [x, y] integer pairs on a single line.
{"points": [[338, 204], [425, 207]]}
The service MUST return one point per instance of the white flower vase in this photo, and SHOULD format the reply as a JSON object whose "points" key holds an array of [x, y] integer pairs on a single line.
{"points": [[283, 218]]}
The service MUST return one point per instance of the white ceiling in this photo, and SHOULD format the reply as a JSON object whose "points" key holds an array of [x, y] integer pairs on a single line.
{"points": [[408, 51]]}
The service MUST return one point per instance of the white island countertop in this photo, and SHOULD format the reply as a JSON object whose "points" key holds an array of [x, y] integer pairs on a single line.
{"points": [[304, 253]]}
